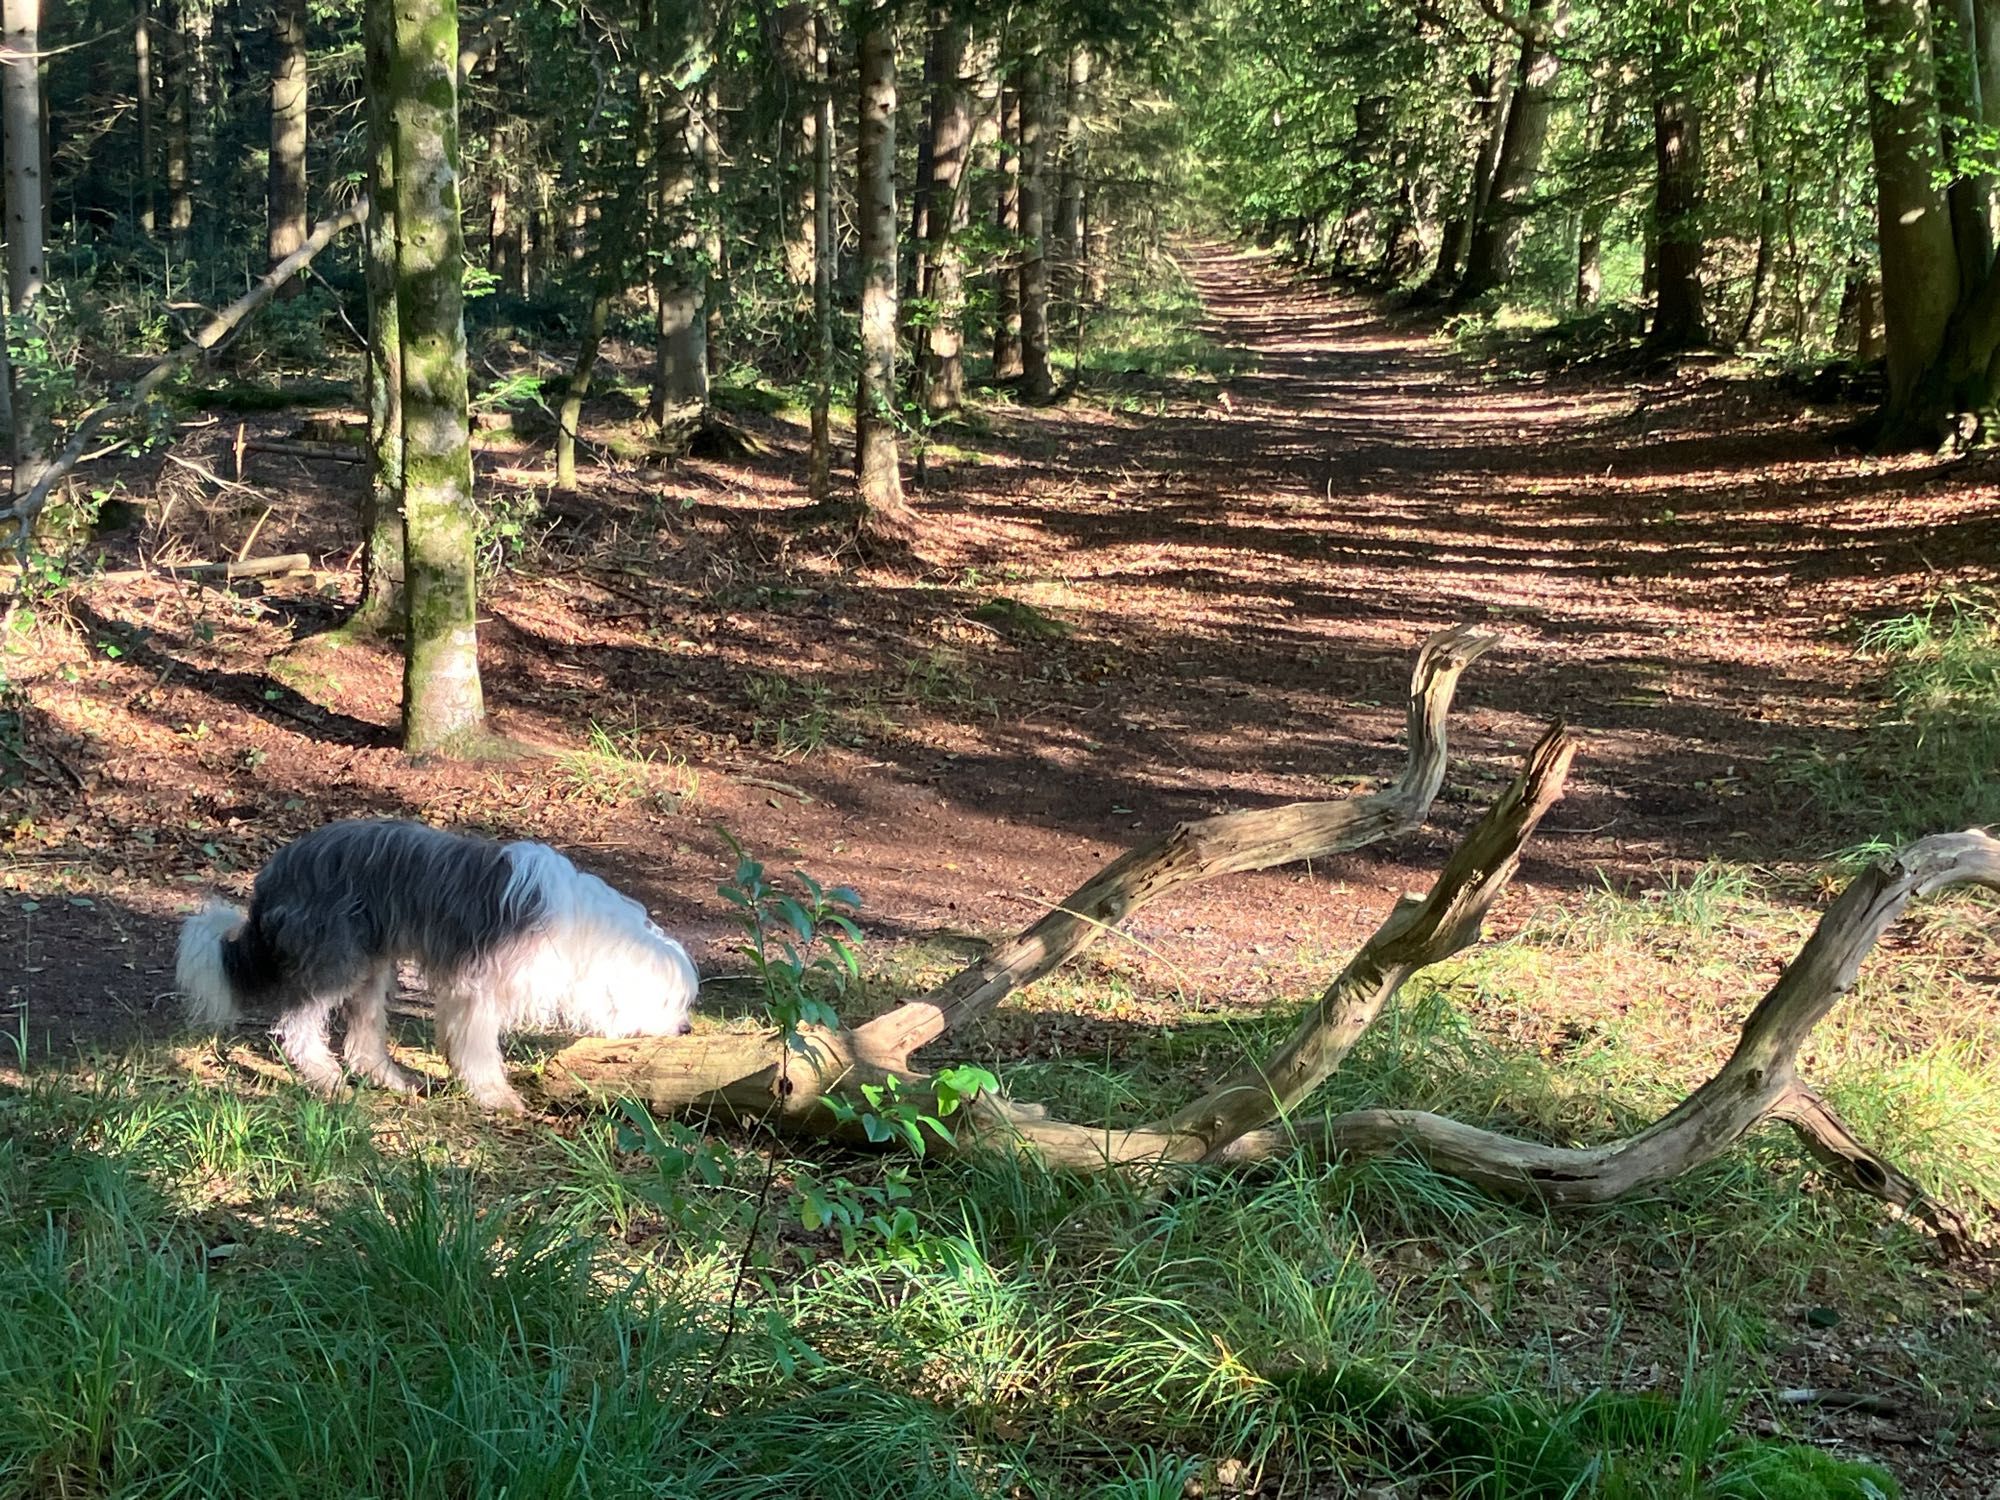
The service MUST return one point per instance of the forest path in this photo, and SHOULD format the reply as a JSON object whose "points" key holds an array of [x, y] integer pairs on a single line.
{"points": [[1669, 560], [1238, 571]]}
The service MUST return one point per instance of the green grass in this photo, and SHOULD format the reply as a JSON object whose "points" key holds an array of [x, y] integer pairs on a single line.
{"points": [[1150, 326], [1928, 764], [211, 1289], [615, 768]]}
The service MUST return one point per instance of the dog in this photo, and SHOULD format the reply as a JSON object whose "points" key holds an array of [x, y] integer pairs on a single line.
{"points": [[509, 937]]}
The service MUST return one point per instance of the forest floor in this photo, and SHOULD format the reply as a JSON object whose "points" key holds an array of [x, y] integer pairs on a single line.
{"points": [[1172, 594]]}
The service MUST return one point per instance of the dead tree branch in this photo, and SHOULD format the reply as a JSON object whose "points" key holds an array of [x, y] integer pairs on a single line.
{"points": [[1233, 842], [1261, 839], [21, 514], [1251, 1115]]}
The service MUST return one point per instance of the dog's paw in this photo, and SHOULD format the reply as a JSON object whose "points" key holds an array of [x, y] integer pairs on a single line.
{"points": [[499, 1097], [396, 1080]]}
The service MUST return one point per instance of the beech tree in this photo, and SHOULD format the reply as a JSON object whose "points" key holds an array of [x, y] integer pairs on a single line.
{"points": [[443, 707]]}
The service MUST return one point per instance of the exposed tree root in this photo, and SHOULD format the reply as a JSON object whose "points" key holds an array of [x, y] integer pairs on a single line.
{"points": [[1249, 1117]]}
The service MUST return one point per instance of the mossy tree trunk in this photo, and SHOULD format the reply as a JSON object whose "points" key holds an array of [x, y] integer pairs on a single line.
{"points": [[381, 607], [877, 454], [286, 228], [443, 709]]}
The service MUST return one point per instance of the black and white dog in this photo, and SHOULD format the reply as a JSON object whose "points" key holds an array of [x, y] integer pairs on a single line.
{"points": [[509, 936]]}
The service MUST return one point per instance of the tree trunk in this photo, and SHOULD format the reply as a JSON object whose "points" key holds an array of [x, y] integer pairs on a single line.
{"points": [[21, 125], [877, 458], [1679, 321], [1920, 279], [287, 192], [382, 609], [941, 367], [1962, 110], [1496, 233], [1986, 50], [443, 707], [714, 248], [179, 108], [1490, 101], [1007, 222], [916, 281], [819, 476], [1037, 380], [798, 78], [680, 372], [142, 85], [1756, 309], [1066, 238]]}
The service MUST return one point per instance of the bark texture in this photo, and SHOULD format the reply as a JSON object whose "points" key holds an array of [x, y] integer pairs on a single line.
{"points": [[877, 454], [443, 707], [1913, 228], [286, 193], [1679, 320], [941, 346], [1037, 380], [382, 607], [27, 269], [1007, 223]]}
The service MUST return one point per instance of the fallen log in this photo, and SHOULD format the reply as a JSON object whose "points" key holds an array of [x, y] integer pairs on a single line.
{"points": [[249, 567]]}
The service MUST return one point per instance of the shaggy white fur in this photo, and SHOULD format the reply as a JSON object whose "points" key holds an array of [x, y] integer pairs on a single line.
{"points": [[511, 937]]}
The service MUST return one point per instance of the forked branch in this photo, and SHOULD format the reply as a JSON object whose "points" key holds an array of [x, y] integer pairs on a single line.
{"points": [[679, 1073], [1261, 839]]}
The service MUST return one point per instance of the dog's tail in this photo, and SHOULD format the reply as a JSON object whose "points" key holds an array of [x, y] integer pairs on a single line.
{"points": [[217, 964]]}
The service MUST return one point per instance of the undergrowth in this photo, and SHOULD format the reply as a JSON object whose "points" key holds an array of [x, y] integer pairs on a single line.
{"points": [[1928, 764]]}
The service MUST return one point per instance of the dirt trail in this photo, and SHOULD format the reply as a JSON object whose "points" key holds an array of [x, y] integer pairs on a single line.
{"points": [[1243, 568]]}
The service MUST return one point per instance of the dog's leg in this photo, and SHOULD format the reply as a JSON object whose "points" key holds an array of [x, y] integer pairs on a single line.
{"points": [[301, 1035], [366, 1046], [469, 1036]]}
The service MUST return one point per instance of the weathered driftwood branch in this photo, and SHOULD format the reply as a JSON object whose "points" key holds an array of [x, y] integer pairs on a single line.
{"points": [[664, 1070], [1233, 1123], [1759, 1083], [1260, 839], [22, 512], [1414, 936]]}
